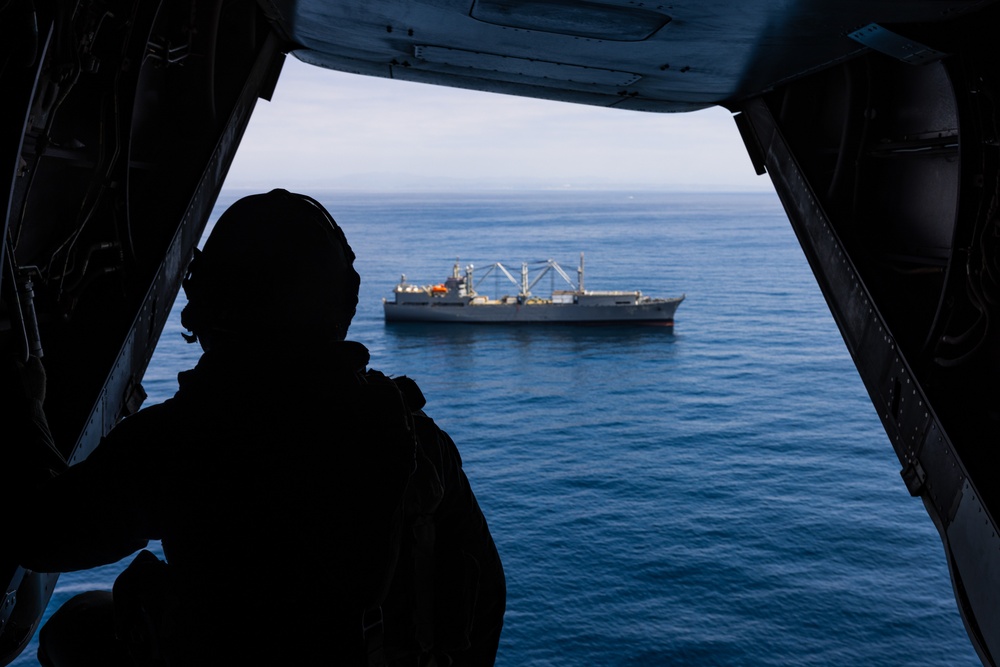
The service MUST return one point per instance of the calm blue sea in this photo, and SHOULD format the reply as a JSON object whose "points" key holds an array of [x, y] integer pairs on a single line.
{"points": [[720, 495]]}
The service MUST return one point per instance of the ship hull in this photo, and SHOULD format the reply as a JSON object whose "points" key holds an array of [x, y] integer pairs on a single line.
{"points": [[660, 313]]}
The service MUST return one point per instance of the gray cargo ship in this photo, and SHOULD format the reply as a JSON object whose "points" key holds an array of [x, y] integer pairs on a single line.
{"points": [[456, 300]]}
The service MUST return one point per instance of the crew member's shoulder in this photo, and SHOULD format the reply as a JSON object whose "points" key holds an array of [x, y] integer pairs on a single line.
{"points": [[411, 392]]}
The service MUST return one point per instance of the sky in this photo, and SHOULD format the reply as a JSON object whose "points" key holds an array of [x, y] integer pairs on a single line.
{"points": [[327, 129]]}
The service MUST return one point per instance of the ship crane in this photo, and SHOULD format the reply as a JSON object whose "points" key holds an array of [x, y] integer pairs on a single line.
{"points": [[503, 269], [524, 286], [552, 265]]}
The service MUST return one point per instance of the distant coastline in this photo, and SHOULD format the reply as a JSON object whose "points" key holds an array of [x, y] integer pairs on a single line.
{"points": [[448, 186]]}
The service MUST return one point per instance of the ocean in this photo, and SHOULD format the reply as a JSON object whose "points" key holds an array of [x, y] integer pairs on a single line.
{"points": [[722, 494]]}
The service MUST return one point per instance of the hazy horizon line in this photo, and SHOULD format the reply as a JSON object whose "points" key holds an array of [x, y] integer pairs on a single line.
{"points": [[487, 187]]}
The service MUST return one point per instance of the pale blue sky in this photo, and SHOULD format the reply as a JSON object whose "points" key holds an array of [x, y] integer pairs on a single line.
{"points": [[333, 130]]}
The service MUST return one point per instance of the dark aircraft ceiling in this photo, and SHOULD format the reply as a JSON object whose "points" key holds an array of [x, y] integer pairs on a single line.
{"points": [[646, 56]]}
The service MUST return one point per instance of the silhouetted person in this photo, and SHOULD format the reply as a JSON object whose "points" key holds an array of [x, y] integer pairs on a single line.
{"points": [[309, 512]]}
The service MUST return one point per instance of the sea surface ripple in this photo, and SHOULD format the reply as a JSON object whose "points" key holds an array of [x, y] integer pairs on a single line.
{"points": [[720, 495]]}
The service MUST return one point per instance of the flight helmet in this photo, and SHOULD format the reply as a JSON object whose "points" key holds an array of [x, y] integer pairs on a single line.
{"points": [[275, 267]]}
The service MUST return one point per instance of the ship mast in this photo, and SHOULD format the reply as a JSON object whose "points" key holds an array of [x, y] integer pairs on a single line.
{"points": [[579, 275]]}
